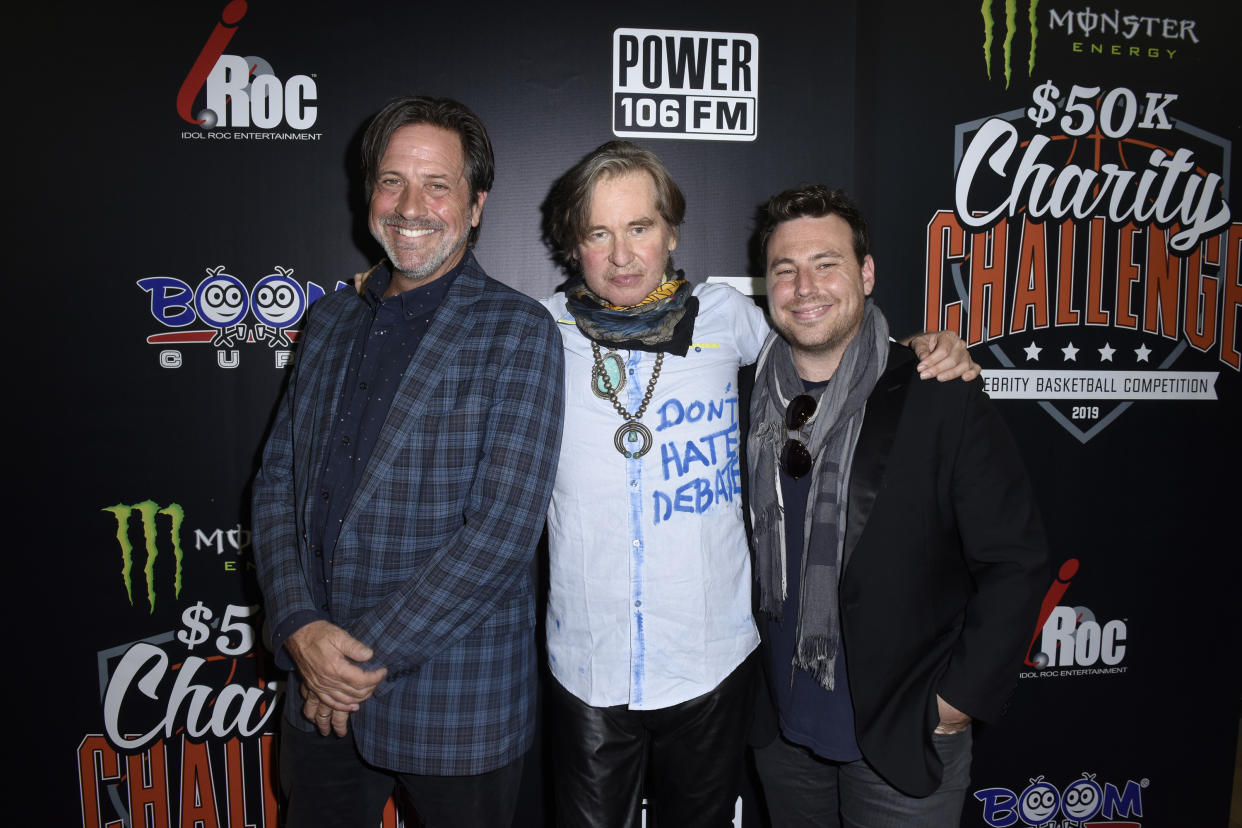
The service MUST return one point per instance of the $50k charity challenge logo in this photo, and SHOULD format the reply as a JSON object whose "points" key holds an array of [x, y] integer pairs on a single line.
{"points": [[1090, 246], [190, 703]]}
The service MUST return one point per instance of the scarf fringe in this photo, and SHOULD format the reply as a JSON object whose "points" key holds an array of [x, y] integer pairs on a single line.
{"points": [[817, 655]]}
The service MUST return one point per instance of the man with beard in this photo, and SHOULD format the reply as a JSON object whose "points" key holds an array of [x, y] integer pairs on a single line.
{"points": [[403, 489], [899, 554], [649, 624]]}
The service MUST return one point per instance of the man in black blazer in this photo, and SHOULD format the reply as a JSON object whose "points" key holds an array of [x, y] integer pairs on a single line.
{"points": [[899, 554]]}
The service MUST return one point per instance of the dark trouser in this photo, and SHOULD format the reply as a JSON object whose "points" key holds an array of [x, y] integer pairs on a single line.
{"points": [[802, 789], [328, 785], [692, 754]]}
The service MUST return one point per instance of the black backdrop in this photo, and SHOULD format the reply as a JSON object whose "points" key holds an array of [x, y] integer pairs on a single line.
{"points": [[144, 432]]}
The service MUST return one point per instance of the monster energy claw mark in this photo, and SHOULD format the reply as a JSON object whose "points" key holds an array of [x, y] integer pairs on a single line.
{"points": [[147, 510], [1011, 27]]}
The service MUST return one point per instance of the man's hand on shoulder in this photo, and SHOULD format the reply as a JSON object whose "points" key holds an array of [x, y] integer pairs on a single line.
{"points": [[952, 720], [327, 658], [943, 355]]}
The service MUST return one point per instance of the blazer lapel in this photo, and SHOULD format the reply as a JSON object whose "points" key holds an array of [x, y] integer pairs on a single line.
{"points": [[875, 439], [449, 328]]}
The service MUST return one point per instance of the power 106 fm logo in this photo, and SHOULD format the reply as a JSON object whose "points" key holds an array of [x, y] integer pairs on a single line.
{"points": [[1092, 250], [677, 84], [1071, 640], [1083, 803], [243, 92], [223, 312]]}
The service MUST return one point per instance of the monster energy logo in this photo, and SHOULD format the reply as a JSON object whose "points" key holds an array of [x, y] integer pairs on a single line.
{"points": [[1011, 27], [148, 509]]}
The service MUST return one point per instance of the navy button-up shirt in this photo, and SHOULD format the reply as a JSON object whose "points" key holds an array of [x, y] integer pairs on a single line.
{"points": [[386, 342]]}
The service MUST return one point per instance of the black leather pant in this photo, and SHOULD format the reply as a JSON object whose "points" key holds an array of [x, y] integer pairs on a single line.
{"points": [[687, 759]]}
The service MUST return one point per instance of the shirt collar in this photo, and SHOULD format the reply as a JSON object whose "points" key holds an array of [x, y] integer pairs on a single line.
{"points": [[417, 299]]}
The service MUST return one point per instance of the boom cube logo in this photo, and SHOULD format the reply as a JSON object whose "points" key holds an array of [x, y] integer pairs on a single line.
{"points": [[216, 312], [1085, 802]]}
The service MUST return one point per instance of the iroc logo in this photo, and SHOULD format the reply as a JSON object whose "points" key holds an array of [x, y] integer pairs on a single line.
{"points": [[243, 92], [1072, 641]]}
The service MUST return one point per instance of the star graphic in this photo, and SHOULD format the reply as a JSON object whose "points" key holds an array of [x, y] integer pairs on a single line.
{"points": [[1032, 351], [1106, 353], [1071, 353], [1142, 353]]}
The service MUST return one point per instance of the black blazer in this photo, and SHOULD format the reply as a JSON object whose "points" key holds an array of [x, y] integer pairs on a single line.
{"points": [[945, 563]]}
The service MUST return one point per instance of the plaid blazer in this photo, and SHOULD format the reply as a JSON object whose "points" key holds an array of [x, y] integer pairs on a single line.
{"points": [[433, 568]]}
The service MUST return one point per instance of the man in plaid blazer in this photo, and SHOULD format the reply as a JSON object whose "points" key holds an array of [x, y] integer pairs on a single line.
{"points": [[402, 491]]}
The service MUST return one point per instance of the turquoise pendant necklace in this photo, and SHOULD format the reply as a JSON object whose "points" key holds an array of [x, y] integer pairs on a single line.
{"points": [[632, 439]]}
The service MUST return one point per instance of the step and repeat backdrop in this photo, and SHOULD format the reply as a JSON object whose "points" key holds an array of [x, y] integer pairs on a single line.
{"points": [[1052, 180]]}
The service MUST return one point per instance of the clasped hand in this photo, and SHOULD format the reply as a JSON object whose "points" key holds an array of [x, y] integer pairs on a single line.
{"points": [[333, 685]]}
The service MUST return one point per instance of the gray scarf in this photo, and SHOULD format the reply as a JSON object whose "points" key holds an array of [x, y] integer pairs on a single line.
{"points": [[833, 430]]}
